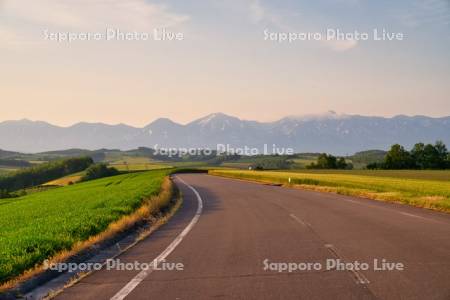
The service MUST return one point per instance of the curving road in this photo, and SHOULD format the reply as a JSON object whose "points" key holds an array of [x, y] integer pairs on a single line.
{"points": [[224, 244]]}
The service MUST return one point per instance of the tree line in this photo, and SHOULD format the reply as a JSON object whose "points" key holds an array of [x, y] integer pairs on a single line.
{"points": [[420, 157], [14, 163], [271, 163], [42, 173], [328, 161]]}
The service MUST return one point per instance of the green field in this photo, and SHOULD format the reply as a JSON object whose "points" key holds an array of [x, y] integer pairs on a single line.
{"points": [[38, 226], [432, 190], [130, 160]]}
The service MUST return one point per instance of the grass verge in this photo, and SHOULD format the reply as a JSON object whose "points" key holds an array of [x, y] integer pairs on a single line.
{"points": [[431, 194], [155, 221], [60, 223], [441, 175]]}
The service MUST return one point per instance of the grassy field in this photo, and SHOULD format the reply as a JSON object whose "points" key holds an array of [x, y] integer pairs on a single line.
{"points": [[301, 163], [4, 170], [410, 174], [429, 193], [139, 167], [40, 225], [189, 164], [66, 180], [236, 165], [133, 163]]}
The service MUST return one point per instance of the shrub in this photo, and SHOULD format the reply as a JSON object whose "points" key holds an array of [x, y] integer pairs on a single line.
{"points": [[328, 161], [99, 171]]}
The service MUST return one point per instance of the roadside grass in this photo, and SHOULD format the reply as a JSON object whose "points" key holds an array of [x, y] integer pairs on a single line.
{"points": [[57, 223], [426, 193], [443, 175]]}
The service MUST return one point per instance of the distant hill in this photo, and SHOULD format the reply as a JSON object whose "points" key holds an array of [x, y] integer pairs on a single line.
{"points": [[369, 156], [331, 132], [7, 154]]}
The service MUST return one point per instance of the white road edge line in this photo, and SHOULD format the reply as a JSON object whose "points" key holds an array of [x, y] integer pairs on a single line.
{"points": [[297, 219], [395, 211], [414, 216], [126, 290]]}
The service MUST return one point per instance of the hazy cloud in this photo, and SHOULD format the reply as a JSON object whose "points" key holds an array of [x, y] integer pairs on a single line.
{"points": [[341, 45], [259, 13], [256, 10], [425, 12], [87, 15]]}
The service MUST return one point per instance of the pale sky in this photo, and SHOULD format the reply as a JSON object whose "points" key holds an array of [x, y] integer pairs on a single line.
{"points": [[223, 63]]}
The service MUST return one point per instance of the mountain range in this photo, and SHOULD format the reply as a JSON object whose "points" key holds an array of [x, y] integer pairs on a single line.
{"points": [[333, 133]]}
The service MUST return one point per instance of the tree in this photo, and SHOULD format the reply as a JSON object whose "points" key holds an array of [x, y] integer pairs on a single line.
{"points": [[417, 154], [341, 164], [443, 154], [99, 171], [272, 163], [431, 157], [421, 157], [325, 161], [398, 158], [374, 166], [328, 161]]}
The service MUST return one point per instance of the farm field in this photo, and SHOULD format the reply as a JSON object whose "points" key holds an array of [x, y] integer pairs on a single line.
{"points": [[59, 218], [66, 180], [428, 193], [443, 175], [301, 163], [236, 165], [139, 167], [128, 159], [189, 164], [131, 163], [4, 170]]}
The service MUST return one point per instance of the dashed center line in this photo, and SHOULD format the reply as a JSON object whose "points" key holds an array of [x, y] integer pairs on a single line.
{"points": [[360, 278]]}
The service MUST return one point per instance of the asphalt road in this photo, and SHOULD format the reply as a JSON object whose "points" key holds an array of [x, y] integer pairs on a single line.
{"points": [[243, 224]]}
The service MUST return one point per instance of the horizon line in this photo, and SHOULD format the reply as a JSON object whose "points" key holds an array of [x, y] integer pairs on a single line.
{"points": [[305, 116]]}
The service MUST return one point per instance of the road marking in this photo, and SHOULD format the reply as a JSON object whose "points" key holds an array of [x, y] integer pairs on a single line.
{"points": [[394, 211], [126, 290], [360, 278], [414, 216], [298, 219]]}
